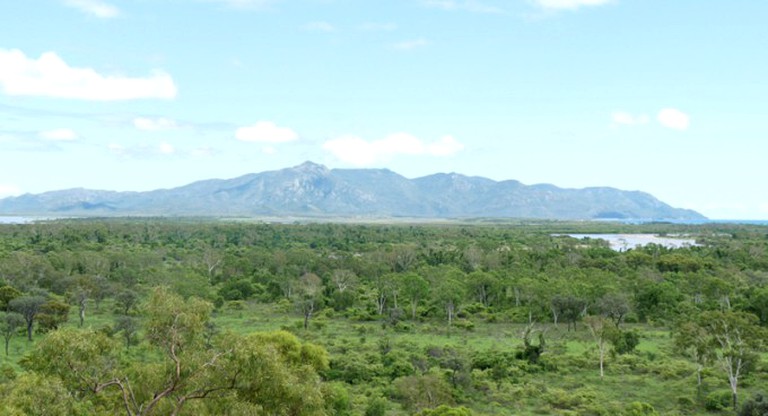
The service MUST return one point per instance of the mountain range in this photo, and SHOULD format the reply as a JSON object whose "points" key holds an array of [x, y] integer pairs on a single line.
{"points": [[310, 190]]}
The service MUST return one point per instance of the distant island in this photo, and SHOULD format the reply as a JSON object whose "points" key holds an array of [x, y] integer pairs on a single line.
{"points": [[313, 190]]}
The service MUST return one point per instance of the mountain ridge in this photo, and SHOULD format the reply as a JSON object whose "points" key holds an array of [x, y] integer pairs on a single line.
{"points": [[311, 189]]}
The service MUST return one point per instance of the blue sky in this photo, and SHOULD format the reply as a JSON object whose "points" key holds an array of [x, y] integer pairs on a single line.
{"points": [[659, 96]]}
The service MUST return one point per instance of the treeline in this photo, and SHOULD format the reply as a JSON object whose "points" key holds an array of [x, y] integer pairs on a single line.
{"points": [[450, 276]]}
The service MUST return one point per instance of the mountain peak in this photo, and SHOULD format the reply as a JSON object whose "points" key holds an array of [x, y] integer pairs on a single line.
{"points": [[311, 168], [313, 189]]}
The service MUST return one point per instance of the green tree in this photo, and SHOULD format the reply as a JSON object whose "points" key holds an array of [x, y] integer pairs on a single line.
{"points": [[309, 296], [53, 313], [415, 289], [128, 326], [597, 328], [233, 368], [569, 308], [35, 394], [126, 300], [738, 339], [420, 392], [80, 298], [10, 323], [84, 360], [614, 306], [484, 286], [29, 307], [7, 294], [694, 341]]}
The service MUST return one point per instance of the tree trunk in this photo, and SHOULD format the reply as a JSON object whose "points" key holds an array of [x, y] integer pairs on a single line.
{"points": [[29, 330], [381, 302], [602, 360], [554, 315], [82, 314], [699, 369]]}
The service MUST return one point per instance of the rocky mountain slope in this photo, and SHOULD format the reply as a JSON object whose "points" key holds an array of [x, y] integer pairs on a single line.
{"points": [[314, 190]]}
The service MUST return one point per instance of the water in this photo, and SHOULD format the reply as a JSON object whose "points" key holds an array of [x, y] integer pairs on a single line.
{"points": [[624, 242]]}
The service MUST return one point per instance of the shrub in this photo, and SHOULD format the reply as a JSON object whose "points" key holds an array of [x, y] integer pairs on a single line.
{"points": [[718, 400], [444, 410], [756, 406], [337, 401], [464, 324], [640, 409], [377, 406]]}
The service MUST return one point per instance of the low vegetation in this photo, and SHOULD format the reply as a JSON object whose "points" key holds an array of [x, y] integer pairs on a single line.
{"points": [[161, 317]]}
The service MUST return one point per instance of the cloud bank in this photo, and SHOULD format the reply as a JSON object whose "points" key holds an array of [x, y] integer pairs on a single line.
{"points": [[674, 119], [50, 76], [59, 135], [359, 152]]}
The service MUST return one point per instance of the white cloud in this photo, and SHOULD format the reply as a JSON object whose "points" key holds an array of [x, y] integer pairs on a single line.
{"points": [[446, 146], [319, 27], [623, 117], [9, 190], [378, 27], [265, 132], [50, 76], [569, 4], [674, 119], [411, 44], [59, 135], [244, 4], [154, 124], [473, 6], [95, 8], [166, 149], [359, 152], [142, 151]]}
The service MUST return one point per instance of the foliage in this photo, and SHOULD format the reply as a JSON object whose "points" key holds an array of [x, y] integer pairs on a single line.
{"points": [[381, 344]]}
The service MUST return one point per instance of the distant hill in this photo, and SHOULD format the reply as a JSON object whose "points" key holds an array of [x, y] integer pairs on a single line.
{"points": [[314, 190]]}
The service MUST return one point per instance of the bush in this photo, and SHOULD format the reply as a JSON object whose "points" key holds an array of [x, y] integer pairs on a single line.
{"points": [[718, 400], [377, 406], [235, 305], [444, 410], [464, 324], [640, 409], [420, 392], [337, 401], [624, 342], [756, 406]]}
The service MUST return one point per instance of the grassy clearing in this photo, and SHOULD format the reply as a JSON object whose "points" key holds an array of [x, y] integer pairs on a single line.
{"points": [[572, 386]]}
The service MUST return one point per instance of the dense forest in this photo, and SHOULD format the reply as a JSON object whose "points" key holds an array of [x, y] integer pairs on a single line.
{"points": [[188, 317]]}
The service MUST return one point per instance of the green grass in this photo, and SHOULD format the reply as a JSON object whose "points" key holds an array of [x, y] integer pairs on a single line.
{"points": [[651, 375]]}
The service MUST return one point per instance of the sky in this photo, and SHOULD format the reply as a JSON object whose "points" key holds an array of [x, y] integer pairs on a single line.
{"points": [[665, 97]]}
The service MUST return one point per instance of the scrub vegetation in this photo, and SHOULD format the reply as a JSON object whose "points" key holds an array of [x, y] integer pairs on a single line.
{"points": [[196, 317]]}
